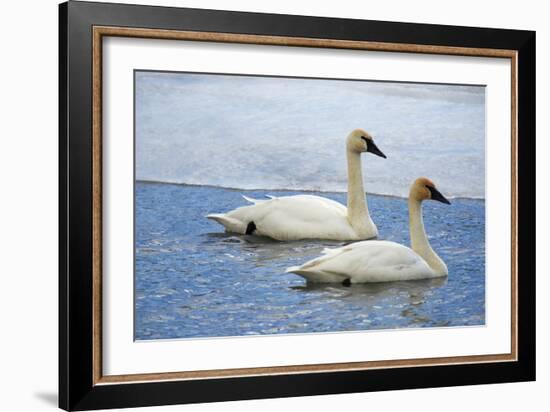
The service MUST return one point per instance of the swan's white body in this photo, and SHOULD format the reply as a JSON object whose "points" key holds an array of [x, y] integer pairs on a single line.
{"points": [[365, 262], [310, 217], [294, 218], [379, 261]]}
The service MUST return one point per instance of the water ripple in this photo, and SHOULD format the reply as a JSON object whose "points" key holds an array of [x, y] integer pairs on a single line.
{"points": [[193, 280]]}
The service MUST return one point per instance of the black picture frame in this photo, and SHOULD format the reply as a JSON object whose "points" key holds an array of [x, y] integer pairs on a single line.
{"points": [[77, 390]]}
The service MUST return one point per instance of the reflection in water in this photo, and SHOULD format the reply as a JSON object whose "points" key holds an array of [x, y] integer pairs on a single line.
{"points": [[193, 280], [415, 291]]}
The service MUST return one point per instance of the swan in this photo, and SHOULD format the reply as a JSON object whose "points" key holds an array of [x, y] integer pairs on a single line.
{"points": [[311, 217], [382, 261]]}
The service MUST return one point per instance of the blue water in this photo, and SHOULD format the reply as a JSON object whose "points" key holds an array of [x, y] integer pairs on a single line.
{"points": [[193, 280]]}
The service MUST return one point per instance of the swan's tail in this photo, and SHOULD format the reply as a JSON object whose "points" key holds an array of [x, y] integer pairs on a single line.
{"points": [[316, 275], [306, 275], [230, 224], [310, 276]]}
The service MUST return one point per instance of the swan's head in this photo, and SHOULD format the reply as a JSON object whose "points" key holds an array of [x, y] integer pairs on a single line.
{"points": [[424, 189], [360, 141]]}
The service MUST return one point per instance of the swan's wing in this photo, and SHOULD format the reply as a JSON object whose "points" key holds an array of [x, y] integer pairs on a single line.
{"points": [[330, 204], [316, 271], [303, 217], [295, 217], [292, 218], [329, 255]]}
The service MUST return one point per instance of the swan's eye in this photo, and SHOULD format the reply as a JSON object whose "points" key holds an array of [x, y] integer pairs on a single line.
{"points": [[365, 139]]}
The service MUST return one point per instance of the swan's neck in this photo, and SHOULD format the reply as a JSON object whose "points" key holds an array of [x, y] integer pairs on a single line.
{"points": [[419, 240], [358, 211]]}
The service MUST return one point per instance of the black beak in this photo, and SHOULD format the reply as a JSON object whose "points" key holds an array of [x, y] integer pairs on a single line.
{"points": [[436, 195], [372, 148]]}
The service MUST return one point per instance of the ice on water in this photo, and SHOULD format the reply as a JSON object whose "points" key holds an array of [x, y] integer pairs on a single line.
{"points": [[280, 133]]}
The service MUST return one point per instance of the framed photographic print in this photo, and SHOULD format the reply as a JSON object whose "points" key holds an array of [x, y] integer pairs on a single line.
{"points": [[256, 205]]}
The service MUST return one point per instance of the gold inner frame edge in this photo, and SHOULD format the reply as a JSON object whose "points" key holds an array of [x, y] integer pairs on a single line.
{"points": [[101, 31]]}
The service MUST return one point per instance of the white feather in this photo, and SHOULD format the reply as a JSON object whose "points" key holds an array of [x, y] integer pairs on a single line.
{"points": [[251, 200], [292, 218], [364, 262]]}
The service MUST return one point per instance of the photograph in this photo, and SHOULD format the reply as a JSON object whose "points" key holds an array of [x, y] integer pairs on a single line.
{"points": [[262, 204], [288, 205]]}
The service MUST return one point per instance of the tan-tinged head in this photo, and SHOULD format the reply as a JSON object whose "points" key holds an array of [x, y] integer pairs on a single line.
{"points": [[360, 141], [424, 189]]}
